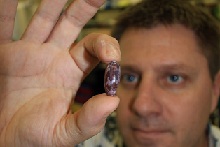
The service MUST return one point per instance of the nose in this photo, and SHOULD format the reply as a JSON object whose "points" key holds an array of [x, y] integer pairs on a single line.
{"points": [[146, 101]]}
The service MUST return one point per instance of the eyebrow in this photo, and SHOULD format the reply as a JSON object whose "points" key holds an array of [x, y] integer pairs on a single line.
{"points": [[130, 68], [178, 66], [161, 68]]}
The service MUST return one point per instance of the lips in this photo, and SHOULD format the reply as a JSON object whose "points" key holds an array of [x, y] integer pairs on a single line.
{"points": [[149, 135], [150, 131]]}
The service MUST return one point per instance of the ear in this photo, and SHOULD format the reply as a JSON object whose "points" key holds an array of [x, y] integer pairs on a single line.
{"points": [[216, 91]]}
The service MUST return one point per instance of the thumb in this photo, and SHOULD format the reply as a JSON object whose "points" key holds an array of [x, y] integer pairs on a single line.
{"points": [[86, 122]]}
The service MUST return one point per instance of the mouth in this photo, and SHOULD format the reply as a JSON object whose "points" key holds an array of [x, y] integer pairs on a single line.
{"points": [[145, 135]]}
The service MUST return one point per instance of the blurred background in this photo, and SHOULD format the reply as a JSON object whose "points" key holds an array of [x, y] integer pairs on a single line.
{"points": [[102, 22], [104, 19]]}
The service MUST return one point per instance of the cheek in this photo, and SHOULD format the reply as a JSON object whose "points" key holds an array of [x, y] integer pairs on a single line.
{"points": [[191, 106], [190, 114], [123, 110], [125, 99], [124, 117]]}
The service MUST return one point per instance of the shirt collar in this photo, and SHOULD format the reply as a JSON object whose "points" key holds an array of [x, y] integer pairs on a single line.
{"points": [[213, 140]]}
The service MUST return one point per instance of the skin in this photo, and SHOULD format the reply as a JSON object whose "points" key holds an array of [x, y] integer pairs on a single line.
{"points": [[166, 92], [41, 72]]}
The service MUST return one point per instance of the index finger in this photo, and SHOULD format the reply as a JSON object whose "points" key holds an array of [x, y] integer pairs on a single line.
{"points": [[7, 16], [94, 48]]}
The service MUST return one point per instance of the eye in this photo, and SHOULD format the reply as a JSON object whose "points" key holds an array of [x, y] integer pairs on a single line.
{"points": [[175, 79], [129, 80]]}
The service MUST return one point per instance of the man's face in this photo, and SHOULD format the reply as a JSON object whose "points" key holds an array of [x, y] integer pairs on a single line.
{"points": [[166, 90]]}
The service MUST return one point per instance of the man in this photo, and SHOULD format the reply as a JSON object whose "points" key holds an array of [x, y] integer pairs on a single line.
{"points": [[170, 80], [41, 72]]}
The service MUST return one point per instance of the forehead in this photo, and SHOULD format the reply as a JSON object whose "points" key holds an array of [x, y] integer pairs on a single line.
{"points": [[169, 45]]}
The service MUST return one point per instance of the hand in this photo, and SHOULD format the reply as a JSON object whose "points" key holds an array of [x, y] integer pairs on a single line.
{"points": [[40, 74]]}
